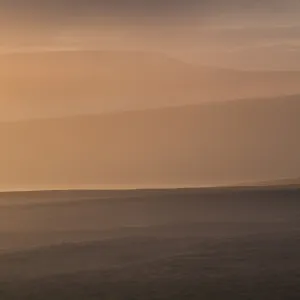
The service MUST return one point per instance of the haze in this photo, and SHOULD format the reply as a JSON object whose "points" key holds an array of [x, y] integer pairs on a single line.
{"points": [[87, 90]]}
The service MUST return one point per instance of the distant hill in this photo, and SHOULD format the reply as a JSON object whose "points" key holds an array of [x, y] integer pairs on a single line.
{"points": [[222, 142], [282, 182], [67, 82]]}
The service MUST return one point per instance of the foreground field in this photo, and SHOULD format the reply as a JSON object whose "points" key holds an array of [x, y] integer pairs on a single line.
{"points": [[185, 244]]}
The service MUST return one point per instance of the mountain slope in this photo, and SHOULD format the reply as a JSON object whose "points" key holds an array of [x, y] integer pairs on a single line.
{"points": [[68, 82], [213, 143]]}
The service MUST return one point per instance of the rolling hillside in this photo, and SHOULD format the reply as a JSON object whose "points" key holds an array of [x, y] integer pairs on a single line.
{"points": [[234, 141]]}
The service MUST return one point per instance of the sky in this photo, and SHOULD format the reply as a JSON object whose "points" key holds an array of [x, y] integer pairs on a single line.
{"points": [[186, 27]]}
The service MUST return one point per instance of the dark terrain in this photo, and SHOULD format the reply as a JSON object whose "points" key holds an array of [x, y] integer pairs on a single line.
{"points": [[226, 243]]}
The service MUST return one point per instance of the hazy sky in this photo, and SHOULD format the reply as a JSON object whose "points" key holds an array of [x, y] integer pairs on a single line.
{"points": [[58, 13], [147, 7], [239, 33]]}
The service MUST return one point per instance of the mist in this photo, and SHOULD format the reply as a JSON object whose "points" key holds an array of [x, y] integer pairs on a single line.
{"points": [[99, 60]]}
